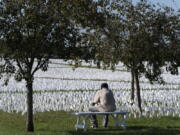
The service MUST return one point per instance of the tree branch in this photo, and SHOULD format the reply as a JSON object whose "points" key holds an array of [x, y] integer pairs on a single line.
{"points": [[37, 66], [20, 67]]}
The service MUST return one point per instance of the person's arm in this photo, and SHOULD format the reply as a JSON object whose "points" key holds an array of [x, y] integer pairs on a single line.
{"points": [[96, 98]]}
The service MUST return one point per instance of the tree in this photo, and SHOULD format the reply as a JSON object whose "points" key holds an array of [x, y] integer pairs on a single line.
{"points": [[31, 30], [34, 31], [136, 36]]}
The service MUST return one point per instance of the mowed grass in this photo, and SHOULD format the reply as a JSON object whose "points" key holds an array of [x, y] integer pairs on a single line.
{"points": [[62, 123]]}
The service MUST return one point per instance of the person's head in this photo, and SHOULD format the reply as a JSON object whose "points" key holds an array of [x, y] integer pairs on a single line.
{"points": [[104, 85]]}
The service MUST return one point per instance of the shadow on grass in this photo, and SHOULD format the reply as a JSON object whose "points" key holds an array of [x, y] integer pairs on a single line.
{"points": [[133, 130]]}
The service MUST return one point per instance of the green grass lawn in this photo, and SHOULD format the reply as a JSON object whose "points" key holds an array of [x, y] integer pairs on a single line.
{"points": [[62, 123]]}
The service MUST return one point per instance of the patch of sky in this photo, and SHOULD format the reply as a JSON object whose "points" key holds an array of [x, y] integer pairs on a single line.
{"points": [[175, 4]]}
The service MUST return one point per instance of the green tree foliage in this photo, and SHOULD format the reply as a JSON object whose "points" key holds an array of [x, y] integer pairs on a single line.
{"points": [[140, 36], [172, 50], [33, 31]]}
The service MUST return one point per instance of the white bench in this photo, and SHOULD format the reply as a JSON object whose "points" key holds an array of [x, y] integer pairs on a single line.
{"points": [[83, 116]]}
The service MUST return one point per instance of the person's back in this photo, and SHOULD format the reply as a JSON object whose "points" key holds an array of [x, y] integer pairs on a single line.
{"points": [[103, 102], [106, 100]]}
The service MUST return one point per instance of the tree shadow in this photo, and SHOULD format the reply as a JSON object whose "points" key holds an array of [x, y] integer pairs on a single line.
{"points": [[132, 130]]}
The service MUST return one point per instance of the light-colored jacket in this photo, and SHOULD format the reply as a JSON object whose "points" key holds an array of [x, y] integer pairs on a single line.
{"points": [[104, 100]]}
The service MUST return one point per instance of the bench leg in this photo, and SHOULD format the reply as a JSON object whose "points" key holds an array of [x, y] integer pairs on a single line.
{"points": [[123, 123], [84, 123], [81, 124], [77, 123], [117, 123]]}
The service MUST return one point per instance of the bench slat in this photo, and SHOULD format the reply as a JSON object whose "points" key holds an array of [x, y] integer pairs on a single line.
{"points": [[100, 113]]}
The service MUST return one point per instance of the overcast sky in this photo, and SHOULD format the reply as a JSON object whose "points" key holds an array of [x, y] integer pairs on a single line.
{"points": [[172, 3]]}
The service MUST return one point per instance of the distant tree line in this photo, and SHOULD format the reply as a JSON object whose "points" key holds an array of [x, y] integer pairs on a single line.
{"points": [[144, 37]]}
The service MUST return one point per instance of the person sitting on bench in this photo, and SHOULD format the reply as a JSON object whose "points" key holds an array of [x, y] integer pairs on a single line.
{"points": [[103, 102]]}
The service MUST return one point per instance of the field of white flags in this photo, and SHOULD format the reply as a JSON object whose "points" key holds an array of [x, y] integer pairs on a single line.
{"points": [[62, 88]]}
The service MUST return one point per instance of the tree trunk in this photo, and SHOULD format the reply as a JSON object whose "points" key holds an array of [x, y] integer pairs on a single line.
{"points": [[29, 120], [138, 91], [132, 86], [98, 64]]}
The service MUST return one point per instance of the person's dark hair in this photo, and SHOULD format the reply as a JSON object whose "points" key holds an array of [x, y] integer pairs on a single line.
{"points": [[104, 85]]}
